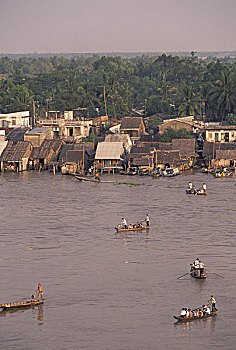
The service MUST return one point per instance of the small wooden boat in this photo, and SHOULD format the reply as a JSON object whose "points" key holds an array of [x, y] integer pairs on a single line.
{"points": [[197, 274], [83, 178], [21, 304], [169, 172], [188, 319], [132, 229], [192, 191], [201, 193]]}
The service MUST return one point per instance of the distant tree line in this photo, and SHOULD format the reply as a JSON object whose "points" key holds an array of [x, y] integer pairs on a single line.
{"points": [[165, 84]]}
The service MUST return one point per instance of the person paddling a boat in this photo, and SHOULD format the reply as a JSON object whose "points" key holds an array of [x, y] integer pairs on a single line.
{"points": [[190, 186], [204, 188], [124, 223], [40, 292], [147, 220], [213, 303]]}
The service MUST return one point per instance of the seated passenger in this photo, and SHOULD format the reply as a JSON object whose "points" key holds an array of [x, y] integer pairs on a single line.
{"points": [[183, 312], [190, 313]]}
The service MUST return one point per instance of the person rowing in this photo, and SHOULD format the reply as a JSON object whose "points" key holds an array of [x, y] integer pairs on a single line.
{"points": [[147, 220], [40, 292], [124, 223], [212, 301], [190, 186], [204, 188]]}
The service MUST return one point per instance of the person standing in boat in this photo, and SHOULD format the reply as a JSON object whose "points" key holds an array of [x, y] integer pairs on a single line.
{"points": [[204, 187], [213, 304], [190, 186], [40, 292], [147, 220], [124, 223]]}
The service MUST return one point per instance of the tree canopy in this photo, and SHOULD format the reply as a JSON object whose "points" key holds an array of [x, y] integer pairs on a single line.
{"points": [[165, 84]]}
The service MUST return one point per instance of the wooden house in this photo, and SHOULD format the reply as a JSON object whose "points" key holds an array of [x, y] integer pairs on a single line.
{"points": [[224, 159], [133, 126], [186, 148], [45, 155], [162, 159], [109, 157], [15, 156], [75, 161]]}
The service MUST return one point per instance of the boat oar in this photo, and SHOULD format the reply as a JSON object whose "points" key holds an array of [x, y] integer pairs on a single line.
{"points": [[215, 274], [183, 275]]}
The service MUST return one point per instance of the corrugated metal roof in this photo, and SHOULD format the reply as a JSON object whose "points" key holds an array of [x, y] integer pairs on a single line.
{"points": [[17, 134], [109, 150]]}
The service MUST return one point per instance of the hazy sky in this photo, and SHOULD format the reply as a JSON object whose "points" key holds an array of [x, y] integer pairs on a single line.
{"points": [[28, 26]]}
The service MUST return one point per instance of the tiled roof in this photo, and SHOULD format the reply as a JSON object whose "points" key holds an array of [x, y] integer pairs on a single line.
{"points": [[39, 153], [131, 122], [17, 134], [226, 154], [74, 156], [163, 157], [185, 146]]}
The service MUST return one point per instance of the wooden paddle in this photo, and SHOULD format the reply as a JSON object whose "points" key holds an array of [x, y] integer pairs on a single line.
{"points": [[215, 274], [184, 275]]}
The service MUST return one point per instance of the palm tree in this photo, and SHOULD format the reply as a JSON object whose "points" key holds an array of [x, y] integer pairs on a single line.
{"points": [[224, 93], [189, 104]]}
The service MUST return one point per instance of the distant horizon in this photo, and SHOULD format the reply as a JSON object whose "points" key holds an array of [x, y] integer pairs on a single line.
{"points": [[111, 26]]}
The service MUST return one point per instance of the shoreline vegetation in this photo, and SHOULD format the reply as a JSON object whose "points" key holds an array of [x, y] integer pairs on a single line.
{"points": [[161, 83]]}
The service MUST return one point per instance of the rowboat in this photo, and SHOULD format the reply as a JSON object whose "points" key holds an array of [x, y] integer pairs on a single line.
{"points": [[21, 304], [196, 273], [188, 319], [192, 191], [132, 229]]}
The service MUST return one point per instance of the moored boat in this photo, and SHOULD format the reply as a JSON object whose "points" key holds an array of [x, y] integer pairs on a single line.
{"points": [[132, 229], [170, 172], [21, 304], [188, 319], [84, 178]]}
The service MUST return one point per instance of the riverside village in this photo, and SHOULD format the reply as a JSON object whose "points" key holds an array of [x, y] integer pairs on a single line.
{"points": [[77, 144]]}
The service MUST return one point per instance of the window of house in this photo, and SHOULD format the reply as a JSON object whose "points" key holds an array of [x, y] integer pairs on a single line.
{"points": [[13, 121], [210, 135], [216, 136]]}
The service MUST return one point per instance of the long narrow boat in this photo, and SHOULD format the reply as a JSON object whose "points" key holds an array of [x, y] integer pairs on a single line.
{"points": [[194, 273], [132, 229], [83, 178], [20, 304], [188, 319]]}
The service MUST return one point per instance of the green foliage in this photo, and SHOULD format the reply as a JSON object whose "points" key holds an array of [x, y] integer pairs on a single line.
{"points": [[162, 84], [170, 134], [154, 122]]}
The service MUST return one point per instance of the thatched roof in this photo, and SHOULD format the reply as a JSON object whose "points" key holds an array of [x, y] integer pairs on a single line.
{"points": [[15, 151], [109, 150]]}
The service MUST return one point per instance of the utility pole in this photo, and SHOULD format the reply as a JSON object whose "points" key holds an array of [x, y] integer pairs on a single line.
{"points": [[34, 117], [105, 102]]}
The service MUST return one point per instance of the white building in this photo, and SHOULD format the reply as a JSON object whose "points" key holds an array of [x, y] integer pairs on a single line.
{"points": [[15, 120]]}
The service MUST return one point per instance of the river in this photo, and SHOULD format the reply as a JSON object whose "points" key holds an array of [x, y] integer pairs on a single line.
{"points": [[105, 290]]}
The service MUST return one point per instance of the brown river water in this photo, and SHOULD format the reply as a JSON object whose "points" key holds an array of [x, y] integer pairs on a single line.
{"points": [[105, 290]]}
